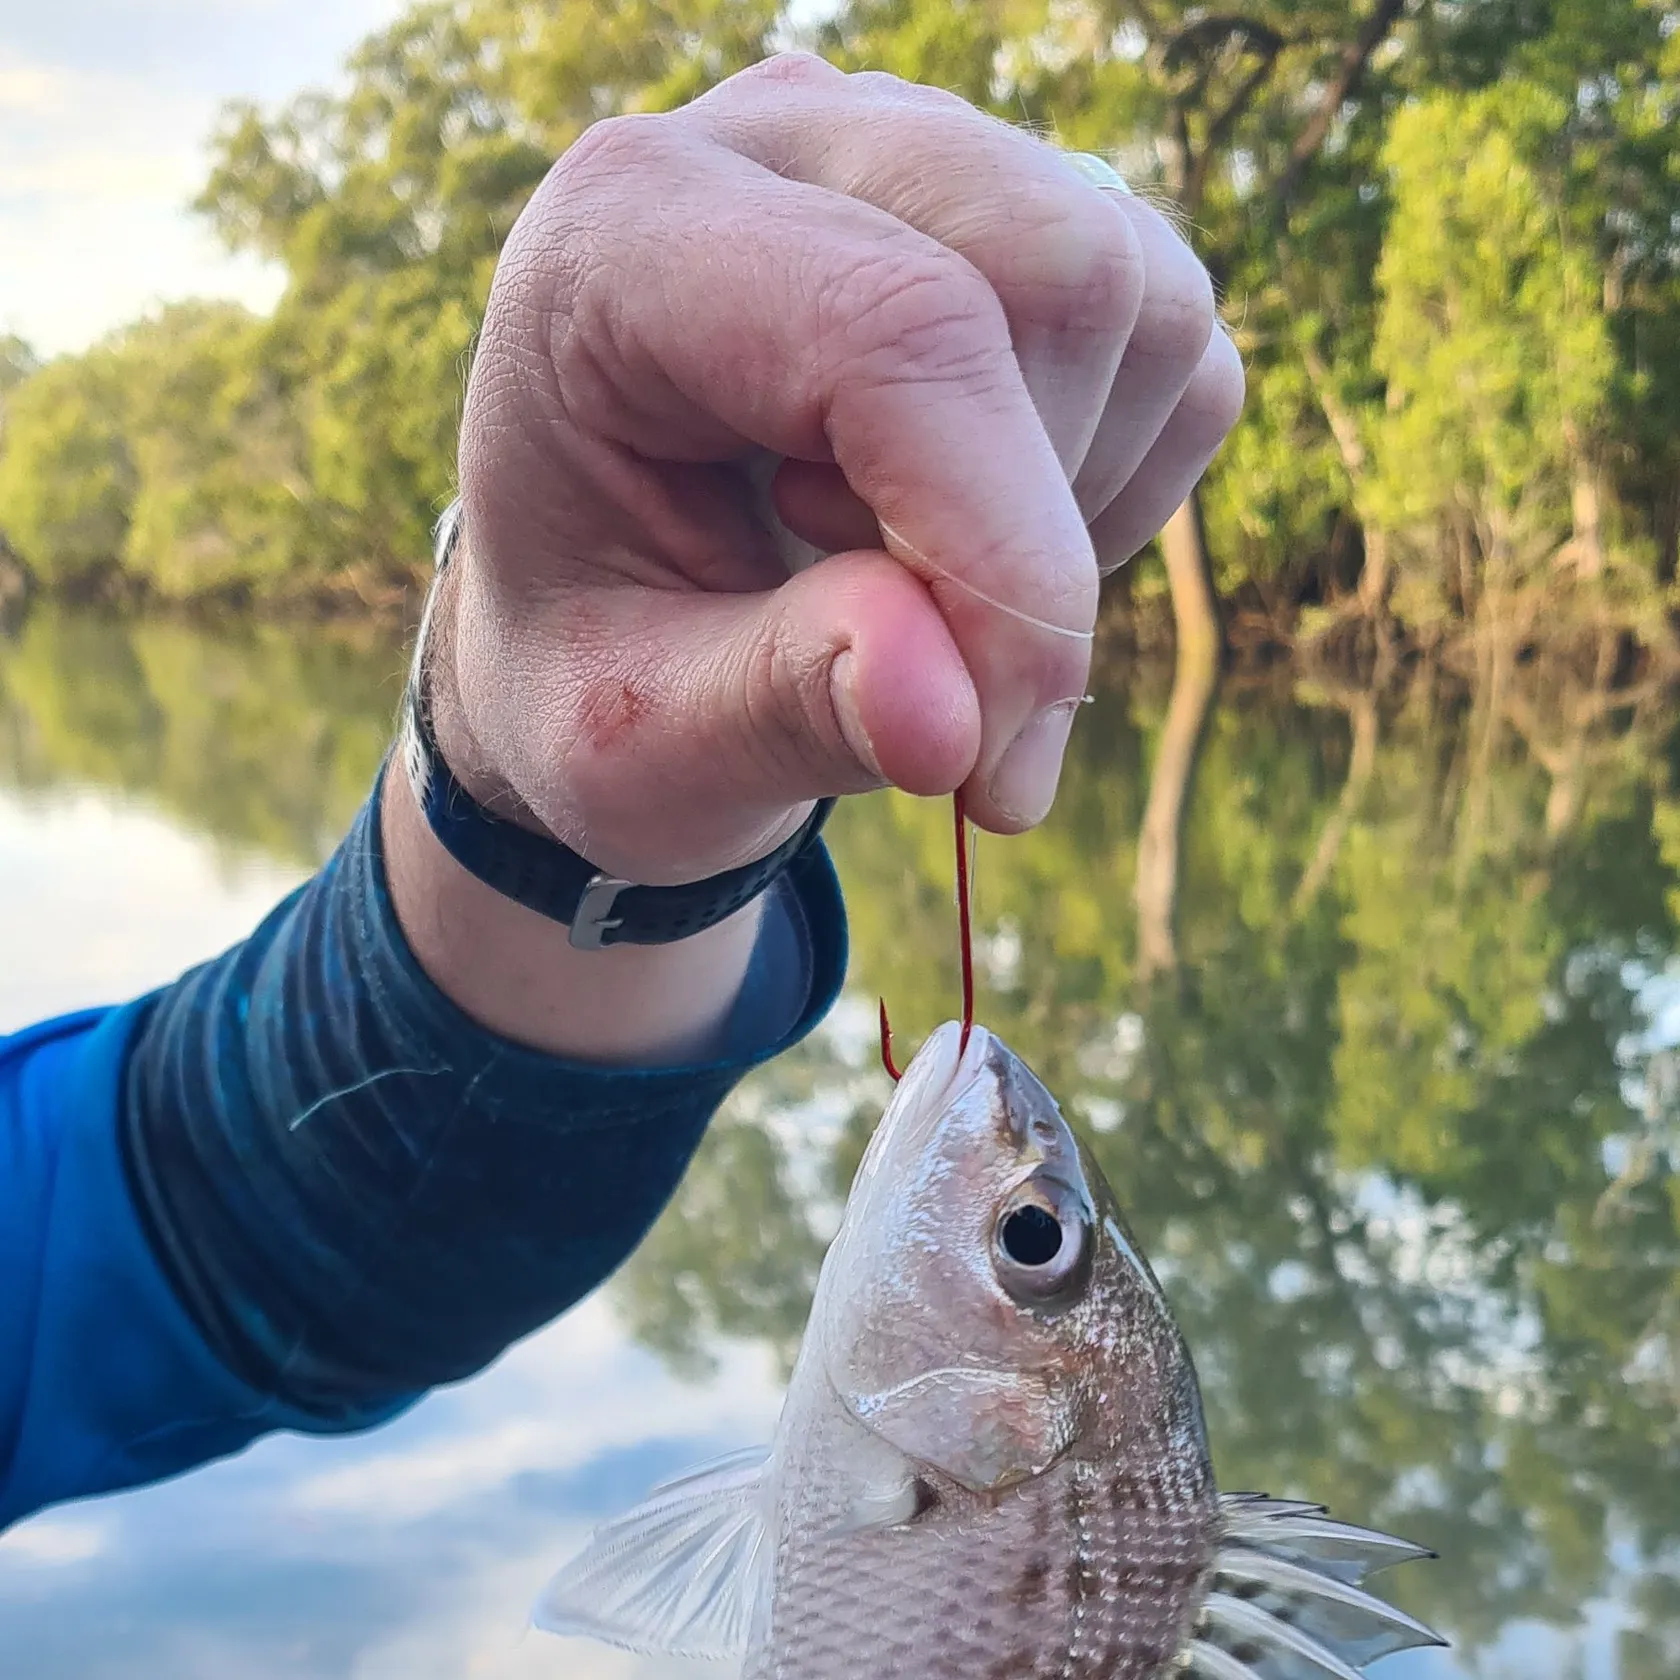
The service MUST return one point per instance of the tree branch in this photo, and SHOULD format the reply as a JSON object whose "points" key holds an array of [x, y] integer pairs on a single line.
{"points": [[1355, 57], [1219, 130], [1204, 34]]}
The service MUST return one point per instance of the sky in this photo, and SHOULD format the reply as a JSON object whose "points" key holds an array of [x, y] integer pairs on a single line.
{"points": [[106, 107]]}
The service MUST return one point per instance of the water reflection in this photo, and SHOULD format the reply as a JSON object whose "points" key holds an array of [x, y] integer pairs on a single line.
{"points": [[254, 735], [1390, 1095]]}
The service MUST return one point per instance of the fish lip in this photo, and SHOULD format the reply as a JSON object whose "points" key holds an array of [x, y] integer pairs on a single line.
{"points": [[967, 1067]]}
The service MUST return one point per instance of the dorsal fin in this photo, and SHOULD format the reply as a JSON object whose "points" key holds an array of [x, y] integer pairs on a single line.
{"points": [[1284, 1600]]}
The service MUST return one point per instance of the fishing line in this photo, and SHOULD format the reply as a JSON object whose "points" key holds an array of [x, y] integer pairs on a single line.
{"points": [[910, 552]]}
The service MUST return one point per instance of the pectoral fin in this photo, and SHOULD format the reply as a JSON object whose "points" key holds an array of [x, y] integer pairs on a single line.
{"points": [[687, 1572]]}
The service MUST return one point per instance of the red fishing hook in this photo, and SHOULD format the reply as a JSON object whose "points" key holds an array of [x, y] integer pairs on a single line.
{"points": [[965, 946]]}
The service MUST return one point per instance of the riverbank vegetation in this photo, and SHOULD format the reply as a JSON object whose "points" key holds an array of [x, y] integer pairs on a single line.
{"points": [[1443, 234]]}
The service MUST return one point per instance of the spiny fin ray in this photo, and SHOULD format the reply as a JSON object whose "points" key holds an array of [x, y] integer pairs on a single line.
{"points": [[1203, 1661], [1356, 1626], [1268, 1648], [1292, 1530], [1285, 1601]]}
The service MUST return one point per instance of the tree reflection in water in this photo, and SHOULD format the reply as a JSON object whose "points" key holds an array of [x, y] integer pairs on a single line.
{"points": [[1398, 1126], [1395, 1106]]}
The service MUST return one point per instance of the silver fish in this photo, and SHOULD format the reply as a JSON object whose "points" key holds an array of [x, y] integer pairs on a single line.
{"points": [[991, 1462]]}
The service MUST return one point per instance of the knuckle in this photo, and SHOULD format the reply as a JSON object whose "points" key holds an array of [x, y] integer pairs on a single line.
{"points": [[1092, 272], [1176, 321], [923, 317], [795, 67], [787, 715], [614, 147], [884, 87]]}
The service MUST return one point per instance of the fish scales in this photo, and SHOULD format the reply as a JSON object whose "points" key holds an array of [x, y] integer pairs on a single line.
{"points": [[1084, 1573], [991, 1463]]}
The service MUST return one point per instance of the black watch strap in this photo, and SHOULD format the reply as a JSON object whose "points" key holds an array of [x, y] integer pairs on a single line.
{"points": [[549, 877]]}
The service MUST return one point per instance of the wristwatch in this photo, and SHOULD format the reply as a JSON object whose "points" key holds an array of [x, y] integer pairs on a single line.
{"points": [[538, 871]]}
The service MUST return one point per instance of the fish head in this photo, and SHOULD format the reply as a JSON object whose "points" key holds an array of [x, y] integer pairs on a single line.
{"points": [[984, 1308]]}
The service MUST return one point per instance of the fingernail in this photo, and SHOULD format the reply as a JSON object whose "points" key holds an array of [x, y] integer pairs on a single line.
{"points": [[840, 678], [1099, 171], [1024, 783]]}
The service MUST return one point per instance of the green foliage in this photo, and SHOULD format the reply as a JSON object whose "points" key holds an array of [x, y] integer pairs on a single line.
{"points": [[1443, 239], [219, 493], [1393, 1130], [388, 206], [1491, 337], [263, 736], [67, 475], [165, 455], [1396, 1129], [17, 361]]}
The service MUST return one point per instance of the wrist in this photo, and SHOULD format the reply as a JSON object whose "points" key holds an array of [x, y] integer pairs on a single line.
{"points": [[518, 975], [654, 846], [437, 679]]}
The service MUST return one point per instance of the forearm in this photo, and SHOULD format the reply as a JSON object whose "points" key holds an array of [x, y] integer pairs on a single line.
{"points": [[300, 1186], [359, 1189], [518, 975]]}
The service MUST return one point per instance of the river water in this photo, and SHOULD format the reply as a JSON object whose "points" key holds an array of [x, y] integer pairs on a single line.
{"points": [[1383, 1071]]}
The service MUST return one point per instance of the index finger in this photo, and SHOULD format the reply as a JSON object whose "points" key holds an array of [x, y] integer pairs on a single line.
{"points": [[950, 365], [722, 305]]}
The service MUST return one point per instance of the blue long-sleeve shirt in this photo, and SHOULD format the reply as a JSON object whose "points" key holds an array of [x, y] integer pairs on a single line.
{"points": [[299, 1187]]}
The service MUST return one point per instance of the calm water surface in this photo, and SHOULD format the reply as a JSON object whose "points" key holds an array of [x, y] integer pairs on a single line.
{"points": [[1384, 1072]]}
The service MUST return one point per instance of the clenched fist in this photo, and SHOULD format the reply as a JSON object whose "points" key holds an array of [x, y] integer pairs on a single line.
{"points": [[972, 376]]}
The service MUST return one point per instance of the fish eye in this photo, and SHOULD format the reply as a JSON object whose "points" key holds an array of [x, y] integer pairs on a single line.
{"points": [[1030, 1236], [1041, 1244]]}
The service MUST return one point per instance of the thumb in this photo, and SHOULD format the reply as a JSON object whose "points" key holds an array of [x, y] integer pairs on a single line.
{"points": [[688, 751]]}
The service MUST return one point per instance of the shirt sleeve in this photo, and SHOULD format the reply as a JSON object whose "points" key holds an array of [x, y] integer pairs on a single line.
{"points": [[299, 1187]]}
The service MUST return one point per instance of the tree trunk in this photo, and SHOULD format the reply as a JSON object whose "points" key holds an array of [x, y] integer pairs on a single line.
{"points": [[1373, 575], [1341, 87], [16, 584], [1344, 428], [1587, 507], [1161, 838], [1195, 606], [1362, 763]]}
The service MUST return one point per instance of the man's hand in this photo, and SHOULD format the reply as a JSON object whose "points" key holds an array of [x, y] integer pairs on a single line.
{"points": [[990, 379]]}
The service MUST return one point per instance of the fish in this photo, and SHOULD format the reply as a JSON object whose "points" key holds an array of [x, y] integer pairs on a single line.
{"points": [[991, 1461]]}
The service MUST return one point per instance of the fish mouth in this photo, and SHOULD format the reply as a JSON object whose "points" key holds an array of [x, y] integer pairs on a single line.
{"points": [[939, 1075]]}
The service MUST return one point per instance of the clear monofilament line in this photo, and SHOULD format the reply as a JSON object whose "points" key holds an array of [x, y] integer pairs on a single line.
{"points": [[907, 554]]}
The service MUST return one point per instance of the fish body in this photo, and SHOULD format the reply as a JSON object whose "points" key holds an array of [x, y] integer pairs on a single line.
{"points": [[991, 1463]]}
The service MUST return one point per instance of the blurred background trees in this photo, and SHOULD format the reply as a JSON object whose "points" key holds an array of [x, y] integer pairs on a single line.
{"points": [[1443, 234]]}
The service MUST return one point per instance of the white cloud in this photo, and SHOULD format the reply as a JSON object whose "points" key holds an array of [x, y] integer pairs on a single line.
{"points": [[31, 90], [555, 1403], [106, 107], [54, 1542]]}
